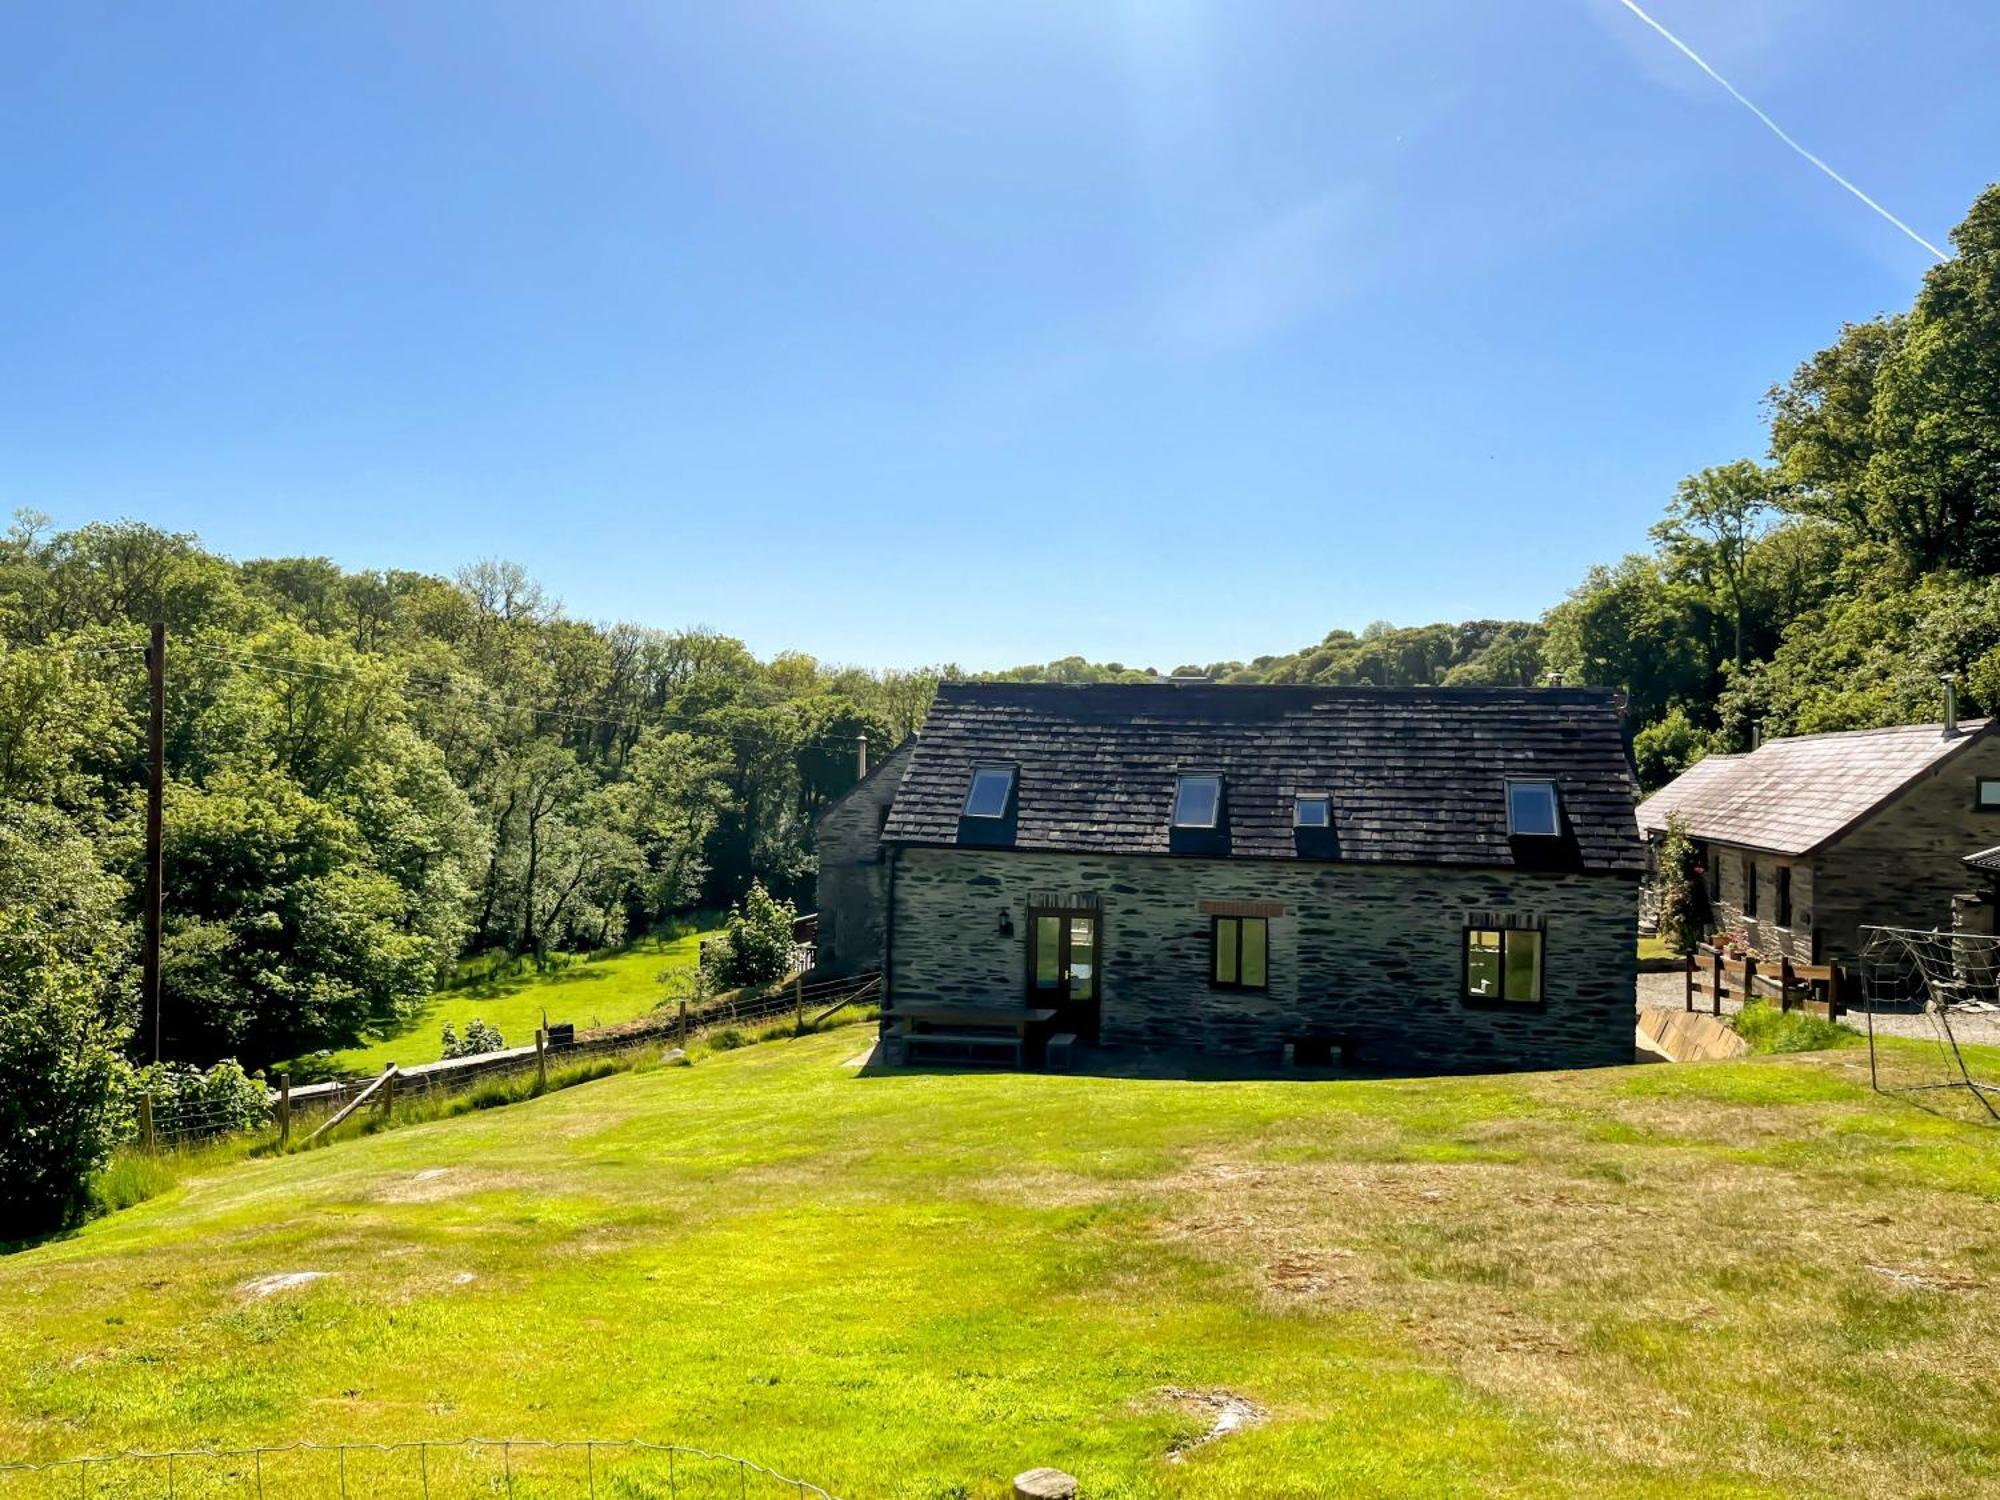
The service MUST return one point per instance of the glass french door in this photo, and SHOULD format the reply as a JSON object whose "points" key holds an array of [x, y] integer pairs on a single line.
{"points": [[1063, 968]]}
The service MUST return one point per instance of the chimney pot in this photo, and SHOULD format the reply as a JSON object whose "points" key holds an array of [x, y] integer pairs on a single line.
{"points": [[1950, 681], [861, 758]]}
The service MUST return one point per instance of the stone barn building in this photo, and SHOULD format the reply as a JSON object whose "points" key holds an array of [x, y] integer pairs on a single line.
{"points": [[1807, 840], [1442, 879]]}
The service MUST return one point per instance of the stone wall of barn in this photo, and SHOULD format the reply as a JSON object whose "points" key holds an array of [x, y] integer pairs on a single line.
{"points": [[1901, 867], [852, 890], [1369, 954], [1764, 933]]}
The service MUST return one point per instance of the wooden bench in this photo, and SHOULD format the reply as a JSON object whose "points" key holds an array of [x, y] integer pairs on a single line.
{"points": [[959, 1033], [1315, 1051]]}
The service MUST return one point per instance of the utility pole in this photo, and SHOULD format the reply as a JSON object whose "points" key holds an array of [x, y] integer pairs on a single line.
{"points": [[156, 787]]}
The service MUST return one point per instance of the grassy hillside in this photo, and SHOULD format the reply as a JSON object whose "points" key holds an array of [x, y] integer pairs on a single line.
{"points": [[1738, 1279], [589, 991]]}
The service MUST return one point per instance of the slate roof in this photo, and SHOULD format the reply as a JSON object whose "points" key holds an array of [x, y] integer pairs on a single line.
{"points": [[1416, 775], [1793, 796], [1986, 859]]}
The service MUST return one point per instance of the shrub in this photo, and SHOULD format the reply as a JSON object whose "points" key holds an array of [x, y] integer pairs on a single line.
{"points": [[190, 1102], [58, 1073], [478, 1038], [756, 947], [1683, 888]]}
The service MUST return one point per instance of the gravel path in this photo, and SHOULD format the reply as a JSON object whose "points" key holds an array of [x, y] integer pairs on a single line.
{"points": [[1670, 991]]}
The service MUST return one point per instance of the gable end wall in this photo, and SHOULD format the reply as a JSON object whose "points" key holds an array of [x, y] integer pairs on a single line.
{"points": [[1901, 867], [853, 878]]}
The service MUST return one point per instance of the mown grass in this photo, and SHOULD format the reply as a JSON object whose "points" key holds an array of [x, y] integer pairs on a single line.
{"points": [[1754, 1278], [1656, 950], [589, 990]]}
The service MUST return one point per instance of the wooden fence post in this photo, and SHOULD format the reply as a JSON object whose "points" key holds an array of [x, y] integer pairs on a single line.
{"points": [[1715, 974], [146, 1120], [541, 1060], [388, 1091], [1833, 1005], [684, 1026], [1687, 977], [285, 1108], [799, 1003]]}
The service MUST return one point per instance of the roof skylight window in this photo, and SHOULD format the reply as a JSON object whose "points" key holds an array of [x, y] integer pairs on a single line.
{"points": [[1198, 801], [1312, 812], [991, 790], [1532, 810]]}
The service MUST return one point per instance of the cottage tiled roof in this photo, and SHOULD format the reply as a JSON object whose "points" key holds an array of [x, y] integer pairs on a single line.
{"points": [[1986, 859], [1792, 796], [1416, 776]]}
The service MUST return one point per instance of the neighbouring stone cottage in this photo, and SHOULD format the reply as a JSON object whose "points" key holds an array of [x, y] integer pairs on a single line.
{"points": [[1434, 878], [1806, 841]]}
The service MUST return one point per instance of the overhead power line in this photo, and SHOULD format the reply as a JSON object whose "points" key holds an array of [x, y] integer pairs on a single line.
{"points": [[1775, 128], [444, 691]]}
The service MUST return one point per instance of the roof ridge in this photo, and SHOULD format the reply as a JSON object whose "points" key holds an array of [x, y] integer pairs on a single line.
{"points": [[1965, 727]]}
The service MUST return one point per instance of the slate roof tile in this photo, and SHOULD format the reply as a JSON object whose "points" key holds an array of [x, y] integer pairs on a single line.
{"points": [[1792, 796], [1416, 775]]}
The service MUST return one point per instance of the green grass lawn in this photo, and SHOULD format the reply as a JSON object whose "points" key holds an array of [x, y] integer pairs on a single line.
{"points": [[593, 991], [1656, 948], [1741, 1279]]}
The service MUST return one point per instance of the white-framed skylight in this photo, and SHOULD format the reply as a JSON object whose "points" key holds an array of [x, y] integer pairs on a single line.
{"points": [[1198, 800], [1533, 810], [991, 790], [1312, 810]]}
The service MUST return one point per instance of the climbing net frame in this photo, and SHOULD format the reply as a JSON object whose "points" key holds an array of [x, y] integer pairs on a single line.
{"points": [[1939, 980]]}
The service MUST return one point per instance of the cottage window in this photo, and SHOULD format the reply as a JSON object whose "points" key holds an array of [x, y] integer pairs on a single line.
{"points": [[1749, 886], [1198, 802], [1987, 799], [991, 790], [1784, 873], [1312, 812], [1503, 963], [1239, 953], [1711, 859], [1532, 810]]}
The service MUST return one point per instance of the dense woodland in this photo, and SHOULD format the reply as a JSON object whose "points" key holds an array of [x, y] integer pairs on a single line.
{"points": [[373, 774]]}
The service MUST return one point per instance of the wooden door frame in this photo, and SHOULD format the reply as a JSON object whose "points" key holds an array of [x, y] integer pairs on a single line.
{"points": [[1062, 997]]}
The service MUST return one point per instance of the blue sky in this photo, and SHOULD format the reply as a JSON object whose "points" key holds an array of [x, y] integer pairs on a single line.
{"points": [[1159, 332]]}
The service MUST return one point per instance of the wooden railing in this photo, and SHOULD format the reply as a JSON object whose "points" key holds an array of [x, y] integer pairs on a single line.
{"points": [[1714, 976]]}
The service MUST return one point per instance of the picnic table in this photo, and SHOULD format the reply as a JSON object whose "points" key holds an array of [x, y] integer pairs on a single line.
{"points": [[969, 1033]]}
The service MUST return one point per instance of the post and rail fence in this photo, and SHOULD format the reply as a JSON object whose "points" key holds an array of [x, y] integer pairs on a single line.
{"points": [[167, 1125], [1713, 976]]}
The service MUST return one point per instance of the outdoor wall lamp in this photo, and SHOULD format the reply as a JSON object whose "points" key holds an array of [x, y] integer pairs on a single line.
{"points": [[1006, 922]]}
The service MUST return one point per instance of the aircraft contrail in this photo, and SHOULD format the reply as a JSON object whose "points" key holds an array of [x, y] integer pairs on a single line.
{"points": [[1776, 129]]}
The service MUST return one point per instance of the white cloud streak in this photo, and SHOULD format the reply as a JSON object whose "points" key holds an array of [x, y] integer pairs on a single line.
{"points": [[1776, 129]]}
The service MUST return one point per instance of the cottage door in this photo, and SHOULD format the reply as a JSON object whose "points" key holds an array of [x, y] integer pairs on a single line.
{"points": [[1063, 969]]}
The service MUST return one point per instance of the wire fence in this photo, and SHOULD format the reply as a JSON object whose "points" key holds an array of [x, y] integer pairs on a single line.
{"points": [[167, 1124], [427, 1469]]}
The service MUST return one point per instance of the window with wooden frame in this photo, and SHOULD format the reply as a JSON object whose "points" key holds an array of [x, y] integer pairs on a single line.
{"points": [[1504, 965], [1749, 886], [1986, 794], [1784, 878], [1239, 953]]}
